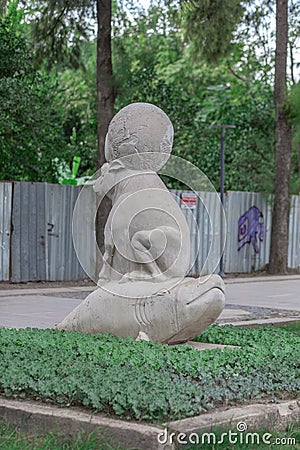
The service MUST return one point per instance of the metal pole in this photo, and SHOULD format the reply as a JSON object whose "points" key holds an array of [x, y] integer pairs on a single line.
{"points": [[222, 198]]}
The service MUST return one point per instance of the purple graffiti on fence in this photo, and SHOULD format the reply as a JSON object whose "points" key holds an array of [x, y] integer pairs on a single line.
{"points": [[251, 229]]}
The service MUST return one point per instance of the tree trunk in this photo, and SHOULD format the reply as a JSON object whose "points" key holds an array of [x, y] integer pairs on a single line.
{"points": [[283, 135], [105, 99]]}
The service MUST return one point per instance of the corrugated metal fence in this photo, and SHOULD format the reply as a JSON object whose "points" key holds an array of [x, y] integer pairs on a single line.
{"points": [[294, 233], [36, 232], [5, 229], [249, 222]]}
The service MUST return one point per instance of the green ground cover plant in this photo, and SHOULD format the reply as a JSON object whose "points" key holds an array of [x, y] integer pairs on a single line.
{"points": [[293, 327], [145, 380]]}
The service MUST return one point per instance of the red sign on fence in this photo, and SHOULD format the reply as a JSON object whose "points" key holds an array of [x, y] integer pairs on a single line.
{"points": [[188, 200]]}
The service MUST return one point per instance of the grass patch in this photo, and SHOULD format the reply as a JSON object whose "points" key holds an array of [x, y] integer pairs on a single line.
{"points": [[148, 381], [12, 438]]}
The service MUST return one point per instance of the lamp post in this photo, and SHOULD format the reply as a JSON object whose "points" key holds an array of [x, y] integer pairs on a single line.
{"points": [[222, 177]]}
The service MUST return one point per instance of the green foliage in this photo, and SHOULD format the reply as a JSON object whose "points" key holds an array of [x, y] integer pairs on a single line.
{"points": [[39, 113], [293, 104], [59, 30], [211, 25], [293, 327], [163, 70], [144, 380], [251, 337], [249, 154], [14, 57], [196, 95], [13, 439], [77, 98], [293, 108], [34, 121], [28, 110]]}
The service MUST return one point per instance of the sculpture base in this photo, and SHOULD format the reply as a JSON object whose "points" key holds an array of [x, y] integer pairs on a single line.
{"points": [[170, 312]]}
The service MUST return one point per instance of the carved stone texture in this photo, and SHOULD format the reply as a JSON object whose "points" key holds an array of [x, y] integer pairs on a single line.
{"points": [[143, 289], [140, 129]]}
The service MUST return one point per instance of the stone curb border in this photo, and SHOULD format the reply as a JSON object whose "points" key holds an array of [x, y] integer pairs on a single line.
{"points": [[257, 279], [44, 291], [261, 322], [256, 417], [31, 416]]}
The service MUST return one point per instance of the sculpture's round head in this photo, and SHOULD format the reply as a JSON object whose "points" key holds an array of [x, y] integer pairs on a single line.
{"points": [[143, 134]]}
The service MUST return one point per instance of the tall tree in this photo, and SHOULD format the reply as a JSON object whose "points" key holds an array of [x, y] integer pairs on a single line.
{"points": [[105, 98], [283, 135], [60, 28], [283, 131]]}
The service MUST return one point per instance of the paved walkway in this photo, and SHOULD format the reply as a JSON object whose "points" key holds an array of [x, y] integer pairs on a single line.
{"points": [[247, 299], [262, 298]]}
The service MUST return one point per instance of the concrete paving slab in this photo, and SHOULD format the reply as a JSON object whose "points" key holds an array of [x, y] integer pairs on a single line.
{"points": [[43, 311], [36, 311], [43, 307], [278, 294], [233, 313]]}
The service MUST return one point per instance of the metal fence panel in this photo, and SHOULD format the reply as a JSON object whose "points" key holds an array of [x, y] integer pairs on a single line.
{"points": [[28, 247], [204, 225], [62, 260], [249, 221], [190, 216], [210, 240], [294, 233], [5, 229], [42, 247], [84, 231]]}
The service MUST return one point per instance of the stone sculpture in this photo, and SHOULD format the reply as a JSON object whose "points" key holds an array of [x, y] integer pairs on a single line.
{"points": [[143, 291]]}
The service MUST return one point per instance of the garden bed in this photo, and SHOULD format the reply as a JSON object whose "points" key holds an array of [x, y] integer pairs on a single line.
{"points": [[148, 381]]}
